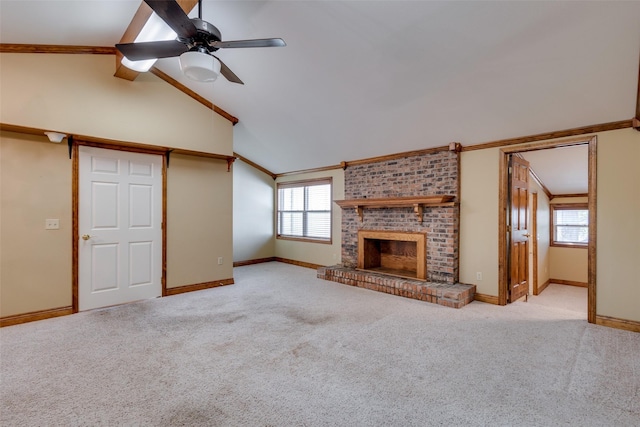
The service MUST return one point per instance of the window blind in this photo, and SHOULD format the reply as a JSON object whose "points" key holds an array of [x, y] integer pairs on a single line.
{"points": [[304, 210], [571, 225]]}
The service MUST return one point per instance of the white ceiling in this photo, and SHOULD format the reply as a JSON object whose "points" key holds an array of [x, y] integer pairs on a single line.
{"points": [[562, 170], [366, 78]]}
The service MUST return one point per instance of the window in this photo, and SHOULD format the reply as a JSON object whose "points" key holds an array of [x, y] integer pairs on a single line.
{"points": [[570, 225], [304, 210]]}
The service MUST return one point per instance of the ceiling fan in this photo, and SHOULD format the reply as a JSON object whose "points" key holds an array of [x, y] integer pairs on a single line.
{"points": [[195, 43]]}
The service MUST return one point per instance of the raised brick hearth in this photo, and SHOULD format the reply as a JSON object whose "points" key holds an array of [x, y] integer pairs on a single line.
{"points": [[449, 295]]}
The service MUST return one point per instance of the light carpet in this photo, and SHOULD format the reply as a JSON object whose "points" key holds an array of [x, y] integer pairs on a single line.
{"points": [[283, 348], [566, 297]]}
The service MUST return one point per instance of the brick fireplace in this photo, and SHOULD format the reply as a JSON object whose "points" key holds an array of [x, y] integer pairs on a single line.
{"points": [[416, 195], [429, 174]]}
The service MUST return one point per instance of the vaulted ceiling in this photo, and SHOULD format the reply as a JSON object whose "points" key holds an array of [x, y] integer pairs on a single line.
{"points": [[360, 79]]}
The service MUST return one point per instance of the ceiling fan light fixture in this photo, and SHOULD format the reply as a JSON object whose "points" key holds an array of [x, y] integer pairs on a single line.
{"points": [[199, 66], [139, 66]]}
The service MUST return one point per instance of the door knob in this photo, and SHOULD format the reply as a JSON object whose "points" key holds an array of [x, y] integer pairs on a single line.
{"points": [[527, 235], [85, 237]]}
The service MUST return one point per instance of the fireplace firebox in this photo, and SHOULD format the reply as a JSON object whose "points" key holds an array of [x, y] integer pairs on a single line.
{"points": [[396, 253]]}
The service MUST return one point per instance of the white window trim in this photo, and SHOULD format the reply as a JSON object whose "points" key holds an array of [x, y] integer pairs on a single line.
{"points": [[305, 183]]}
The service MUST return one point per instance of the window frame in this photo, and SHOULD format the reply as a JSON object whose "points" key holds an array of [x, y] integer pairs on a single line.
{"points": [[552, 224], [298, 184]]}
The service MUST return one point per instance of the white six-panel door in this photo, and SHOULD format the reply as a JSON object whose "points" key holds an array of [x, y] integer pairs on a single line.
{"points": [[119, 227]]}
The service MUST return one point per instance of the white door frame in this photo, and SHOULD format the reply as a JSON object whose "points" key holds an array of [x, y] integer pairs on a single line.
{"points": [[76, 209]]}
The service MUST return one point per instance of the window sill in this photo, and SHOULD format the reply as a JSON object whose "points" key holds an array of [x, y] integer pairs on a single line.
{"points": [[569, 245], [305, 239]]}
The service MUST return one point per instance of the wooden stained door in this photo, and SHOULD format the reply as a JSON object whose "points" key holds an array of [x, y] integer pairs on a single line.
{"points": [[518, 228], [120, 219]]}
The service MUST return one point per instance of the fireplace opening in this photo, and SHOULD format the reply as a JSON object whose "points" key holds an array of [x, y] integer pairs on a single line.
{"points": [[395, 253]]}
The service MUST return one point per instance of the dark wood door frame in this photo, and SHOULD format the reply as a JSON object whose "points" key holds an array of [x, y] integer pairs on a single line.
{"points": [[534, 242], [503, 273], [75, 209]]}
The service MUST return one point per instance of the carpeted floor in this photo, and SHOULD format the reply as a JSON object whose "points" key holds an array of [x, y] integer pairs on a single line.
{"points": [[282, 348], [565, 297]]}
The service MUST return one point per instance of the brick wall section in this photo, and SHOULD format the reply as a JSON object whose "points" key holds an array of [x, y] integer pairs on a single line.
{"points": [[426, 174]]}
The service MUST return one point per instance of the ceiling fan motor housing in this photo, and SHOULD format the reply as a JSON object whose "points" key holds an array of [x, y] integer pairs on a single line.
{"points": [[206, 33]]}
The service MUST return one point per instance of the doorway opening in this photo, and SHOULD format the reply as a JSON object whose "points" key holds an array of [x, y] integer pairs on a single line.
{"points": [[513, 233]]}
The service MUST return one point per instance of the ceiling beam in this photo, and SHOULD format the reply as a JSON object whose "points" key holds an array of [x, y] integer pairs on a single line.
{"points": [[7, 127], [53, 48], [135, 26], [255, 165], [182, 88], [320, 169], [603, 127], [346, 164]]}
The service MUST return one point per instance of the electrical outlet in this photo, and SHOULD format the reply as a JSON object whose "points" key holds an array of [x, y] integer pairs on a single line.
{"points": [[219, 260], [51, 224], [479, 275]]}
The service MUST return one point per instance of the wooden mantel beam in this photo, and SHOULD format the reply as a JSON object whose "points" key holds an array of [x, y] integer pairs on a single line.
{"points": [[135, 26]]}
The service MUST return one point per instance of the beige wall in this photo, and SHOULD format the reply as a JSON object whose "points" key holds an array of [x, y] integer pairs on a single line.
{"points": [[570, 264], [618, 240], [35, 264], [618, 289], [253, 213], [199, 218], [316, 253], [479, 219], [78, 94]]}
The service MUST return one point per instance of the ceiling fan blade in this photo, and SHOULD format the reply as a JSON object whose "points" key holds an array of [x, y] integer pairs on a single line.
{"points": [[174, 16], [227, 73], [249, 43], [152, 50]]}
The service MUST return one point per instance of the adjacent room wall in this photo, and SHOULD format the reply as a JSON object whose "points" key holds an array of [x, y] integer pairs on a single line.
{"points": [[618, 238], [78, 94], [542, 232], [199, 222], [253, 213], [569, 264], [316, 253]]}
